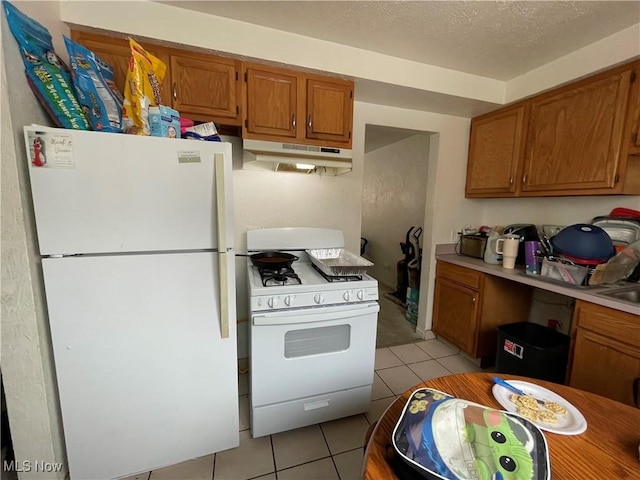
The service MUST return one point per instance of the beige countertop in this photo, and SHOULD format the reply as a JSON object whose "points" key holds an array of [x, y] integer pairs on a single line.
{"points": [[446, 253]]}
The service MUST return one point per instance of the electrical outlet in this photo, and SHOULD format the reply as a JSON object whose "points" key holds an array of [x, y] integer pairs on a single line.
{"points": [[454, 235]]}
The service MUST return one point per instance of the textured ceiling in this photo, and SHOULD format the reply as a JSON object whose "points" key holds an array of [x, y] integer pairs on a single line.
{"points": [[496, 39]]}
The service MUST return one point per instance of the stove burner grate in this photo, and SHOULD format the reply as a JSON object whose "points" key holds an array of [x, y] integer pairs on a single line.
{"points": [[340, 278], [272, 277]]}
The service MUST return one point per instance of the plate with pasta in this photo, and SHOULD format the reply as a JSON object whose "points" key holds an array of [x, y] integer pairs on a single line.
{"points": [[552, 413]]}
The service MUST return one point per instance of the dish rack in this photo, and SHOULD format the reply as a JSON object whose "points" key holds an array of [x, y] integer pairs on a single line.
{"points": [[338, 262], [565, 272]]}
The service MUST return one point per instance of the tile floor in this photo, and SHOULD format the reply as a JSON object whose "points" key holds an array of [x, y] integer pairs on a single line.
{"points": [[393, 329], [327, 451]]}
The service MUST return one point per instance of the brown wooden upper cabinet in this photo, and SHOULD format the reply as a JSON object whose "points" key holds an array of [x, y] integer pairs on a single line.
{"points": [[573, 140], [575, 136], [634, 114], [289, 106], [495, 152], [200, 86], [205, 87], [329, 110], [271, 103]]}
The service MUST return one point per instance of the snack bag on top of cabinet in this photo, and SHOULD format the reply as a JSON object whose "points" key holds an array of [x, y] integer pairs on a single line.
{"points": [[142, 89], [101, 104], [47, 75]]}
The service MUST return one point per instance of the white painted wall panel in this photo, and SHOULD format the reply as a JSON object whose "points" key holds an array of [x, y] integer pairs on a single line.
{"points": [[393, 200], [27, 359]]}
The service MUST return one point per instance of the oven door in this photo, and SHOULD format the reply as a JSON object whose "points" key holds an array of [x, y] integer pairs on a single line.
{"points": [[306, 352]]}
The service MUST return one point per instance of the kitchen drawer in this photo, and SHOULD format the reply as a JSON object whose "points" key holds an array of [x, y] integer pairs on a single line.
{"points": [[458, 274], [310, 410], [608, 322]]}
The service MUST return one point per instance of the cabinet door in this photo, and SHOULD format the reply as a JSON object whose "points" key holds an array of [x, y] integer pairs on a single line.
{"points": [[329, 111], [205, 86], [495, 153], [117, 53], [271, 102], [604, 366], [634, 113], [575, 135], [455, 314]]}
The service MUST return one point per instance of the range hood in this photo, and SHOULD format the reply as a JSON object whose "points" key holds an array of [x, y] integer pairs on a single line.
{"points": [[290, 157]]}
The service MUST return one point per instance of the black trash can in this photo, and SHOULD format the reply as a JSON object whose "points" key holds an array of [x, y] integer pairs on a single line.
{"points": [[532, 350]]}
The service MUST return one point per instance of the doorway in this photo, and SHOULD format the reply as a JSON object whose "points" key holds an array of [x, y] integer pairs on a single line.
{"points": [[393, 201]]}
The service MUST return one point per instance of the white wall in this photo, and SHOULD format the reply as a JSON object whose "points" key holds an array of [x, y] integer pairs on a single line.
{"points": [[235, 37], [445, 205], [269, 199], [616, 49], [550, 210], [393, 200], [27, 362]]}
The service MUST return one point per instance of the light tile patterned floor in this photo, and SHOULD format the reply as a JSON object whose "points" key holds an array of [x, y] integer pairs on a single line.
{"points": [[328, 451]]}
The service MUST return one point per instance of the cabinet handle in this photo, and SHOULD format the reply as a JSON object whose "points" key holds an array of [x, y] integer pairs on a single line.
{"points": [[524, 179], [309, 123], [293, 121], [511, 180], [175, 91], [636, 391]]}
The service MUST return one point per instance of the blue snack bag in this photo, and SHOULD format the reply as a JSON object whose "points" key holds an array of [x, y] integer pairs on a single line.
{"points": [[46, 73], [93, 81]]}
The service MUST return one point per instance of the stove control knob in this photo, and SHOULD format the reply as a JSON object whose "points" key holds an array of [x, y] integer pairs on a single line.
{"points": [[360, 294], [287, 300], [319, 298], [273, 302], [346, 296]]}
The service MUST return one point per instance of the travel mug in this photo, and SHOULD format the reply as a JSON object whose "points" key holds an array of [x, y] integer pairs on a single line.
{"points": [[507, 246], [531, 248]]}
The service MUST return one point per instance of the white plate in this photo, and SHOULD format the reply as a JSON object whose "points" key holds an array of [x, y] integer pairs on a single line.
{"points": [[573, 423]]}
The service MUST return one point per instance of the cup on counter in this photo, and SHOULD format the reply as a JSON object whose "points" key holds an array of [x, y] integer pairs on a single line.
{"points": [[507, 246], [531, 257]]}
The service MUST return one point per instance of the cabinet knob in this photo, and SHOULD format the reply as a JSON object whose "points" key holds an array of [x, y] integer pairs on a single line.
{"points": [[524, 179], [293, 121], [473, 299], [309, 123], [175, 91], [511, 180]]}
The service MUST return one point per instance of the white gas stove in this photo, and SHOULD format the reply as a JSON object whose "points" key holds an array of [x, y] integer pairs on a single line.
{"points": [[305, 328], [305, 286]]}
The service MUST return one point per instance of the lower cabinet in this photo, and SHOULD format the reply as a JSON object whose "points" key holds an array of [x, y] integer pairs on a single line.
{"points": [[606, 352], [470, 305], [457, 312]]}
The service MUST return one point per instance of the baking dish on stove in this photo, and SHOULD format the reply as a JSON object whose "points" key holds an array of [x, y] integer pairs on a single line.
{"points": [[338, 262]]}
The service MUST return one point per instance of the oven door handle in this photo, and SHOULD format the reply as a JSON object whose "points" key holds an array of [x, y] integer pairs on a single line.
{"points": [[293, 317]]}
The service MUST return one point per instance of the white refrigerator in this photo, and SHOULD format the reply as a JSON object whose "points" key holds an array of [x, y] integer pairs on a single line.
{"points": [[136, 239]]}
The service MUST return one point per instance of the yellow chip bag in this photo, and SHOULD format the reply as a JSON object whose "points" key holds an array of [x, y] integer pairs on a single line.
{"points": [[142, 88]]}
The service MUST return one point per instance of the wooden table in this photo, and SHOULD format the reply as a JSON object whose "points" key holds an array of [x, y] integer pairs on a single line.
{"points": [[607, 450]]}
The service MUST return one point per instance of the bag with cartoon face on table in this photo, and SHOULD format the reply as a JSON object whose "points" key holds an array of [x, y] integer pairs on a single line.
{"points": [[442, 437]]}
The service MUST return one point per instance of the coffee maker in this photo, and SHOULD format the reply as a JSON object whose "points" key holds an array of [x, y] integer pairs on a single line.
{"points": [[527, 232]]}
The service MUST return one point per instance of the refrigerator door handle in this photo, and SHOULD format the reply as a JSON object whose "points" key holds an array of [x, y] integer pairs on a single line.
{"points": [[222, 244]]}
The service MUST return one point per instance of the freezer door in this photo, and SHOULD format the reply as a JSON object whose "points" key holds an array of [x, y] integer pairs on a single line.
{"points": [[144, 378], [99, 192]]}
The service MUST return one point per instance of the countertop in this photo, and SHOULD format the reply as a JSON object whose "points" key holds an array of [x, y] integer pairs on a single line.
{"points": [[446, 253]]}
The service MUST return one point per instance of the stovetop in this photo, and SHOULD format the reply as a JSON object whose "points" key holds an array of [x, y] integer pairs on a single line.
{"points": [[306, 287], [273, 277]]}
